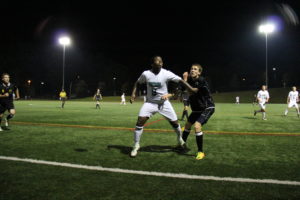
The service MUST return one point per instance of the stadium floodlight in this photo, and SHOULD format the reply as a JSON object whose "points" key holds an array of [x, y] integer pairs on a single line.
{"points": [[114, 85], [64, 41], [267, 29]]}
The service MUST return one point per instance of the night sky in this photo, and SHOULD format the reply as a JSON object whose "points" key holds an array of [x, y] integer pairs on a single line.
{"points": [[117, 39]]}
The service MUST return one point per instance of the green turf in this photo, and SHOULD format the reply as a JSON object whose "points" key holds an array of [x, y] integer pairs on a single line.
{"points": [[241, 156]]}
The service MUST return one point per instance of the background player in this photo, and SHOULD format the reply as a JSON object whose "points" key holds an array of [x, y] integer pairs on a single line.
{"points": [[237, 100], [202, 106], [7, 90], [123, 101], [63, 97], [292, 100], [98, 97], [262, 98], [186, 104], [157, 100]]}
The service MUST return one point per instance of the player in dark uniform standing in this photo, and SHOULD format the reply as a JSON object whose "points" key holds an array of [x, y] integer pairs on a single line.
{"points": [[98, 97], [202, 106], [7, 91], [186, 104]]}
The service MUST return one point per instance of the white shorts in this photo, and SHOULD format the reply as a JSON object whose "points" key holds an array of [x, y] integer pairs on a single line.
{"points": [[165, 109], [291, 104], [262, 105]]}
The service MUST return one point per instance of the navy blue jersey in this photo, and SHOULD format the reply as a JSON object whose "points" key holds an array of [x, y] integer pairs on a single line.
{"points": [[202, 99], [7, 88]]}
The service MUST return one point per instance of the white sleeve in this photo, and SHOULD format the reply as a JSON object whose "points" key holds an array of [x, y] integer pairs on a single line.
{"points": [[290, 94], [268, 96], [173, 77], [258, 95], [142, 78]]}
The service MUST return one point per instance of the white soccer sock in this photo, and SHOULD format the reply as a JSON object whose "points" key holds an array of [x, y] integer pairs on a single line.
{"points": [[178, 131], [264, 115], [137, 134]]}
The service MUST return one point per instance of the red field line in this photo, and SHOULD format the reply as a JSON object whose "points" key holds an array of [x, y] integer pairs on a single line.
{"points": [[153, 122], [152, 130]]}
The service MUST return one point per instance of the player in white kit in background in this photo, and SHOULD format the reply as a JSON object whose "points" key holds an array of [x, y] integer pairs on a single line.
{"points": [[262, 98], [292, 100], [157, 100], [237, 100], [123, 101]]}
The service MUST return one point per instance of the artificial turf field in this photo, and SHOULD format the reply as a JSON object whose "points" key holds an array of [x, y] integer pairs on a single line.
{"points": [[236, 144]]}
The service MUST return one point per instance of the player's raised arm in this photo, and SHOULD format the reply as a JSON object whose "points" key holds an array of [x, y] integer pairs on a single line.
{"points": [[190, 88]]}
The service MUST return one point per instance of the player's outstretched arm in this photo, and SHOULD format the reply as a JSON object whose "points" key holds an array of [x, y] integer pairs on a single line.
{"points": [[167, 96], [17, 94], [4, 95], [190, 88], [132, 98]]}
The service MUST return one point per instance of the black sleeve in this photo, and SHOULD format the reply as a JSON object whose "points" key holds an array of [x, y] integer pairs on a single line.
{"points": [[203, 87]]}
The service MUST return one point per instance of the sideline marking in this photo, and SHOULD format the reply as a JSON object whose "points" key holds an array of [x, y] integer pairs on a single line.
{"points": [[151, 173], [151, 130]]}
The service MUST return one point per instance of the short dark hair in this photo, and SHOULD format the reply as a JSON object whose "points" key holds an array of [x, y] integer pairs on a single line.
{"points": [[153, 57], [199, 66], [4, 74]]}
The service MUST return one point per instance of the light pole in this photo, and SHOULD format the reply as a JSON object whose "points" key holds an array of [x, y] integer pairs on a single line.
{"points": [[65, 41], [266, 29], [114, 85]]}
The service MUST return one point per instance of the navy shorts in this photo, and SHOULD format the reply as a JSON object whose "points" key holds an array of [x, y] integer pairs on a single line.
{"points": [[6, 106], [201, 116]]}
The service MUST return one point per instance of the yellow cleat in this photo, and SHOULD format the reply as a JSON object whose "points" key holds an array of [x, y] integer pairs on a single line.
{"points": [[200, 155]]}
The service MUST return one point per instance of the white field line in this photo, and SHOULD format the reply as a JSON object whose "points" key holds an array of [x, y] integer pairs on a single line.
{"points": [[150, 173]]}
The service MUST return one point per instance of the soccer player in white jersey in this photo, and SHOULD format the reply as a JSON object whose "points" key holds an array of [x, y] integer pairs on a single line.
{"points": [[123, 101], [237, 100], [262, 98], [157, 100], [292, 100]]}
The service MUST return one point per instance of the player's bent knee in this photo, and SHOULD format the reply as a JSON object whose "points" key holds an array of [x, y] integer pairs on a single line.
{"points": [[141, 121], [198, 127], [13, 111]]}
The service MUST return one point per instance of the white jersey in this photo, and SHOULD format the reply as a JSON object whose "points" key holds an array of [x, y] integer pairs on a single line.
{"points": [[123, 97], [157, 84], [293, 96], [262, 96]]}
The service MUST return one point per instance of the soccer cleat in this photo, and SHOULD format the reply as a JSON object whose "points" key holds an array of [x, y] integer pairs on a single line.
{"points": [[1, 129], [180, 141], [254, 113], [200, 155], [264, 119], [134, 151]]}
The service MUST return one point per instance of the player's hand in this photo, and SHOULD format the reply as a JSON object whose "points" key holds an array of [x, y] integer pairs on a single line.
{"points": [[132, 98], [185, 76], [166, 96]]}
